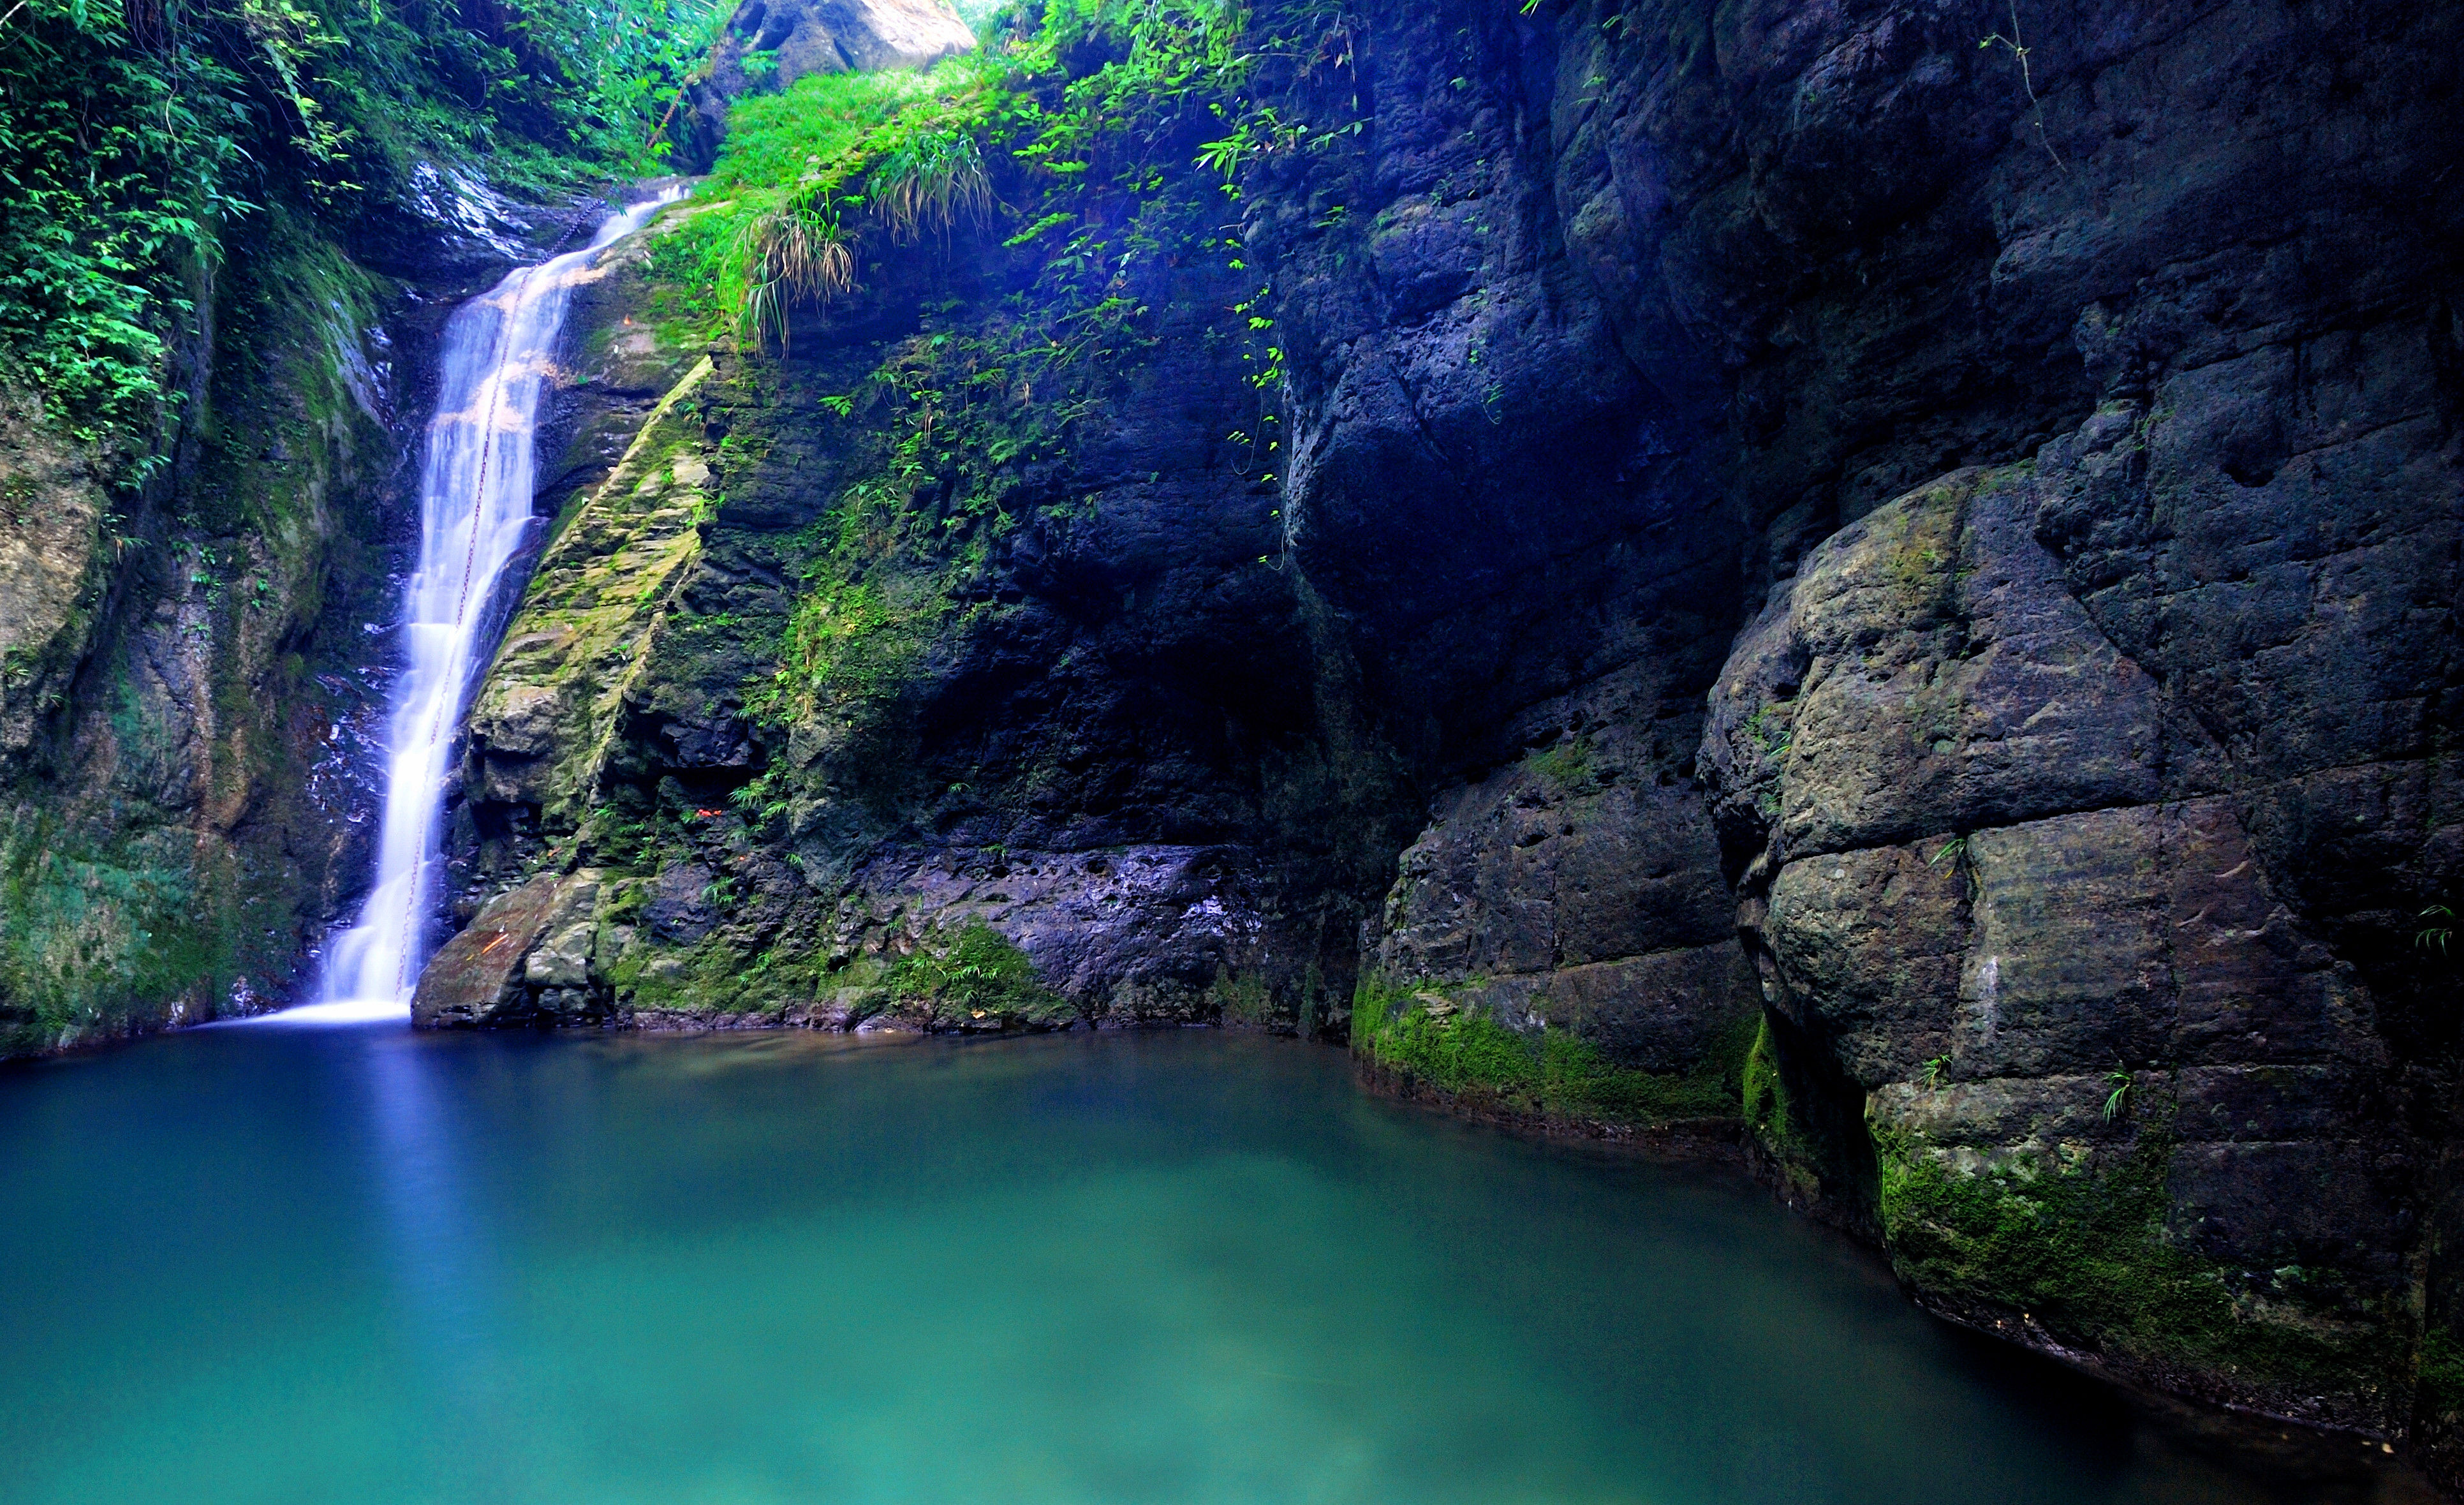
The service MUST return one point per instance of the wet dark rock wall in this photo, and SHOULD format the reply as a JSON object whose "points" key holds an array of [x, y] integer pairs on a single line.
{"points": [[2068, 482], [1809, 581]]}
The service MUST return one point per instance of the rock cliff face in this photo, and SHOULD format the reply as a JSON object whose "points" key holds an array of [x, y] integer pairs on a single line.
{"points": [[1801, 577], [2072, 460]]}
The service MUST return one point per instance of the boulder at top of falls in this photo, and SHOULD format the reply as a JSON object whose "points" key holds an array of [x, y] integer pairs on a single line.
{"points": [[806, 36], [841, 36]]}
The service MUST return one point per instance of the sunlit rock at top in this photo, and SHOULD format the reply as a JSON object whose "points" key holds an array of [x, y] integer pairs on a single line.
{"points": [[836, 35]]}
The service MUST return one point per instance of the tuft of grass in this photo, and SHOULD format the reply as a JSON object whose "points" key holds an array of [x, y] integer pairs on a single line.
{"points": [[929, 180], [809, 171], [796, 250]]}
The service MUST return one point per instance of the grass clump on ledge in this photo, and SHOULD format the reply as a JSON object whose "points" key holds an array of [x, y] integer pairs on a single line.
{"points": [[1554, 1074], [808, 171]]}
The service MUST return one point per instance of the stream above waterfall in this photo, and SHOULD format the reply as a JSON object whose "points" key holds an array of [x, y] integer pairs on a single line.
{"points": [[265, 1264]]}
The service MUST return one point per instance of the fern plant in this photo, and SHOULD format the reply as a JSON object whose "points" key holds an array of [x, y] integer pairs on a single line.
{"points": [[2438, 929]]}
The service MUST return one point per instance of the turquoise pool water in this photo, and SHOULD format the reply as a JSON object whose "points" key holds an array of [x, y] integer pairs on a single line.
{"points": [[264, 1264]]}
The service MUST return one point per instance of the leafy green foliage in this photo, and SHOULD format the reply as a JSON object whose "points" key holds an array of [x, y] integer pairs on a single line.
{"points": [[929, 180], [980, 974], [116, 159], [140, 141]]}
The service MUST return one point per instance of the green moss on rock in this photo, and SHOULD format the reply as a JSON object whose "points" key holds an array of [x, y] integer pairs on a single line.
{"points": [[976, 977], [2084, 1255], [1463, 1052]]}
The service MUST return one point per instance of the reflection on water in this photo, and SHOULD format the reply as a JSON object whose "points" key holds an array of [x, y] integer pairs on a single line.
{"points": [[438, 1259], [359, 1265]]}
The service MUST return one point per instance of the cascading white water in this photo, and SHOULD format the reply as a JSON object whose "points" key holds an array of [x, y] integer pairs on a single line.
{"points": [[475, 505]]}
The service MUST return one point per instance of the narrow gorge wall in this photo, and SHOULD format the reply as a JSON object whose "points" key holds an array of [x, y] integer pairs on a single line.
{"points": [[1785, 571]]}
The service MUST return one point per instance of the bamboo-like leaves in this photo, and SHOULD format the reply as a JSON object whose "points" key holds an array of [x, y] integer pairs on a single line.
{"points": [[799, 250], [930, 181]]}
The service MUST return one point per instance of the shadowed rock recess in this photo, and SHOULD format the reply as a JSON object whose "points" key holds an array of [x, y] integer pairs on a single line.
{"points": [[1760, 574]]}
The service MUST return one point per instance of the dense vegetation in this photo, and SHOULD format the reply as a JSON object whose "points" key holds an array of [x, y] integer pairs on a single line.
{"points": [[1067, 124], [141, 140], [1082, 150]]}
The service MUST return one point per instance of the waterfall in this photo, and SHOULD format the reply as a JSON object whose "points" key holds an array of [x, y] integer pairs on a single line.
{"points": [[475, 506]]}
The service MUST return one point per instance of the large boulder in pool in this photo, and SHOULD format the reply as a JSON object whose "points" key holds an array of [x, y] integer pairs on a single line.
{"points": [[525, 959]]}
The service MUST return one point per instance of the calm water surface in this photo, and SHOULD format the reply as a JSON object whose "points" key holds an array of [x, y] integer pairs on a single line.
{"points": [[270, 1265]]}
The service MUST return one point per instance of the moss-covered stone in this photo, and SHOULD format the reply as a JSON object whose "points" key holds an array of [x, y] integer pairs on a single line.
{"points": [[1430, 1041], [548, 712], [2081, 1258]]}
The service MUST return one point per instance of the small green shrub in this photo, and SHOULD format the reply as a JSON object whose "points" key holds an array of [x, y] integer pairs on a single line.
{"points": [[975, 974]]}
